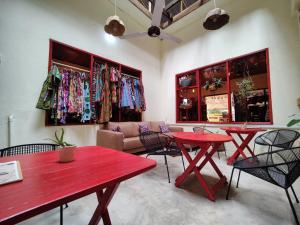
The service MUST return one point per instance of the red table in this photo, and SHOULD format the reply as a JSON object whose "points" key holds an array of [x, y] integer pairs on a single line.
{"points": [[204, 140], [48, 184], [249, 132]]}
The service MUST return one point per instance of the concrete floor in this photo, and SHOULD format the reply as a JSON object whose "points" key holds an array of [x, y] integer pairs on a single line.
{"points": [[149, 199]]}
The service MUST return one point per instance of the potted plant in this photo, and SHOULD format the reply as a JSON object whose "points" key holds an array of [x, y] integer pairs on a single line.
{"points": [[66, 153]]}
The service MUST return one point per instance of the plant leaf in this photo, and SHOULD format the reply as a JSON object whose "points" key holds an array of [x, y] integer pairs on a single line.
{"points": [[62, 135], [54, 141], [293, 122], [56, 137], [67, 144]]}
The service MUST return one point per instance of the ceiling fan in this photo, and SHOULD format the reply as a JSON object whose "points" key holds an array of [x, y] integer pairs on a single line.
{"points": [[154, 30]]}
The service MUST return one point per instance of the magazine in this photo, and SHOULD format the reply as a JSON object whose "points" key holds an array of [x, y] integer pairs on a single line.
{"points": [[10, 172]]}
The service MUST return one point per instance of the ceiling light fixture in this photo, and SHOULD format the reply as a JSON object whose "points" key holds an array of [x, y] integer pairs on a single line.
{"points": [[114, 25], [215, 18]]}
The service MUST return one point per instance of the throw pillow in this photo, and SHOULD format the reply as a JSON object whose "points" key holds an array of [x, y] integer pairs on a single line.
{"points": [[164, 128], [116, 129], [144, 128]]}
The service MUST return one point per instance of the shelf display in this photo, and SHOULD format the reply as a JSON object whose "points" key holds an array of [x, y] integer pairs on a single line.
{"points": [[233, 91], [83, 88], [187, 96]]}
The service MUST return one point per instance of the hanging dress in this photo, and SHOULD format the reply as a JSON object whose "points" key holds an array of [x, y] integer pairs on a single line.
{"points": [[63, 97], [86, 112], [48, 93], [106, 107], [137, 95], [126, 100]]}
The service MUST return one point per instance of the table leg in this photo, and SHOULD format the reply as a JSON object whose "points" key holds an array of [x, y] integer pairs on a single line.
{"points": [[103, 201], [247, 146], [222, 180], [192, 166], [240, 148]]}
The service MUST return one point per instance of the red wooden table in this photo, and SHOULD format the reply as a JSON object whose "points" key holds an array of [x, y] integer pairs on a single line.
{"points": [[48, 184], [249, 132], [205, 141]]}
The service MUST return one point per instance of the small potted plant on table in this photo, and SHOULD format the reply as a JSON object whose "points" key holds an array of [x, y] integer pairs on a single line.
{"points": [[66, 153]]}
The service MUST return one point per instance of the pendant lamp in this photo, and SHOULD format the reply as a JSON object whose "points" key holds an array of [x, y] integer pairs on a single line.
{"points": [[215, 18], [114, 25]]}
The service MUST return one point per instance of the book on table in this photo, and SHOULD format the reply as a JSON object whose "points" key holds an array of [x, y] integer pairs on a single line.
{"points": [[10, 172]]}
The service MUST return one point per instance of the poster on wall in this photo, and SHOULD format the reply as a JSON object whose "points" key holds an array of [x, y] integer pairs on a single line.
{"points": [[217, 108]]}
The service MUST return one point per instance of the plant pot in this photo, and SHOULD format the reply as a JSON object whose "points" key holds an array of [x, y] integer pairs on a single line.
{"points": [[66, 154]]}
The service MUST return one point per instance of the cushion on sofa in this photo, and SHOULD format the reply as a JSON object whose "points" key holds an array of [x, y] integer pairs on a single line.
{"points": [[154, 125], [144, 127], [132, 142], [129, 129]]}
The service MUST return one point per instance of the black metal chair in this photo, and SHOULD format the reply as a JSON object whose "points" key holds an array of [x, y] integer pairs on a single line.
{"points": [[29, 149], [281, 139], [159, 144], [202, 129], [280, 167]]}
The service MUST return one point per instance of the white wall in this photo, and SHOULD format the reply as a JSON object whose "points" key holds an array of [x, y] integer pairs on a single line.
{"points": [[25, 28], [253, 25], [27, 25]]}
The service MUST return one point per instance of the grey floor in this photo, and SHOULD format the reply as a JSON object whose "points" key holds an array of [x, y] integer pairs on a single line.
{"points": [[149, 199]]}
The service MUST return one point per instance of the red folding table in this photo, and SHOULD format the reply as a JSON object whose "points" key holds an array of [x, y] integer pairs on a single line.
{"points": [[205, 141], [249, 132], [47, 184]]}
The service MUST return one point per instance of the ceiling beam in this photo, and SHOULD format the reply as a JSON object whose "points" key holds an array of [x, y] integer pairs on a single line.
{"points": [[185, 12], [141, 7]]}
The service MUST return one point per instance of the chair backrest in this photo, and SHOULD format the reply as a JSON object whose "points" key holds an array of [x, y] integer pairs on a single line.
{"points": [[151, 141], [27, 149], [287, 162], [201, 129], [283, 138]]}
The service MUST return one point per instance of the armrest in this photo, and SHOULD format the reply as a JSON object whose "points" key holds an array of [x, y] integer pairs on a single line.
{"points": [[176, 129], [110, 139]]}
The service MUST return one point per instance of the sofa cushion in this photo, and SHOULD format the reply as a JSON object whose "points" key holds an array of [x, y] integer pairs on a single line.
{"points": [[132, 142], [154, 125], [144, 127], [129, 129], [164, 128]]}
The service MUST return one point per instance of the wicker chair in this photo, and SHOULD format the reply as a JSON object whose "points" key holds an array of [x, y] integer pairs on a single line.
{"points": [[29, 149], [222, 146], [157, 144], [280, 167]]}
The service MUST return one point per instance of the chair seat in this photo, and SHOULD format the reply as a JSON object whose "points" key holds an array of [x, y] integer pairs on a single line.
{"points": [[276, 167]]}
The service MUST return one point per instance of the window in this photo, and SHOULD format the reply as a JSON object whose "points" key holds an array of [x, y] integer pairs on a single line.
{"points": [[234, 91]]}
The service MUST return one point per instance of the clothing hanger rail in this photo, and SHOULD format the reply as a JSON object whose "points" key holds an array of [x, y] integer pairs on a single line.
{"points": [[71, 67], [127, 75]]}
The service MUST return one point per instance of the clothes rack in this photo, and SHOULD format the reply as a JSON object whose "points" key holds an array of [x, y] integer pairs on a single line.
{"points": [[127, 75], [71, 67]]}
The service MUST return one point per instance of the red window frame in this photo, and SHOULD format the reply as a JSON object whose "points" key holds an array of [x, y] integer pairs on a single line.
{"points": [[198, 86]]}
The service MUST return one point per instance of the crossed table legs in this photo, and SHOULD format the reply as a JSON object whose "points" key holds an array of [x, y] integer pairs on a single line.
{"points": [[211, 191], [104, 199], [240, 148]]}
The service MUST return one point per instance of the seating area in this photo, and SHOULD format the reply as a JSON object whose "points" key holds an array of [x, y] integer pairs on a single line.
{"points": [[150, 112]]}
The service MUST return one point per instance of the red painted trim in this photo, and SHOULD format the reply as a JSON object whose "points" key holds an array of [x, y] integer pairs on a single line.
{"points": [[94, 55], [227, 62], [247, 54], [228, 91], [137, 73], [198, 83], [269, 86]]}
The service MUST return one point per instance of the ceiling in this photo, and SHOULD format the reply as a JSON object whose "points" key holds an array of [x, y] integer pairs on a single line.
{"points": [[143, 17], [174, 9]]}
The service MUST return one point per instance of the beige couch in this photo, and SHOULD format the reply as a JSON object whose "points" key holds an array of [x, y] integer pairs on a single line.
{"points": [[128, 139]]}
